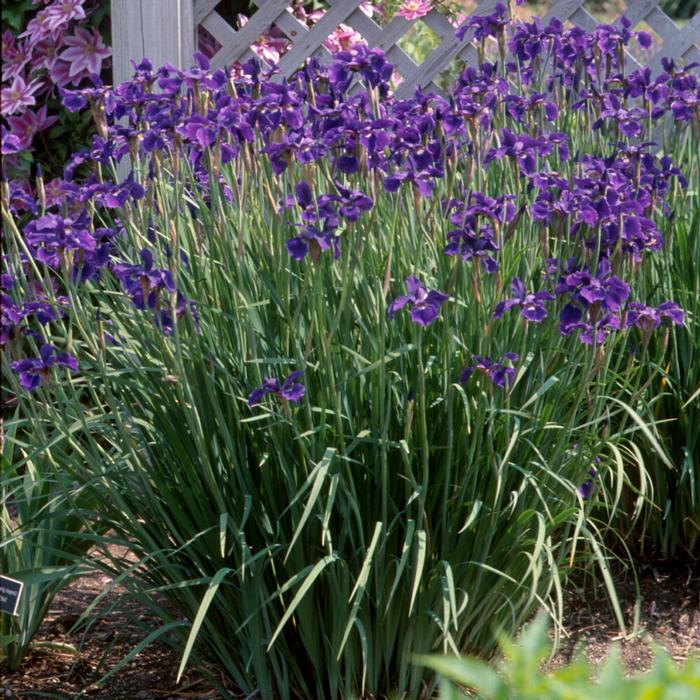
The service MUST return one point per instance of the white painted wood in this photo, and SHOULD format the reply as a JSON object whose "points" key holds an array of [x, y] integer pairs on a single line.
{"points": [[254, 28], [583, 18], [440, 24], [685, 39], [219, 28], [316, 36], [202, 8], [164, 31], [637, 11], [161, 30], [662, 24]]}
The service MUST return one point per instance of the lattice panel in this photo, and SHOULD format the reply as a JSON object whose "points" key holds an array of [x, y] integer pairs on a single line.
{"points": [[679, 43]]}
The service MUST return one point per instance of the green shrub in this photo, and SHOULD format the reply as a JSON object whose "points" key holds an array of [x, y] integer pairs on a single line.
{"points": [[518, 676], [42, 540]]}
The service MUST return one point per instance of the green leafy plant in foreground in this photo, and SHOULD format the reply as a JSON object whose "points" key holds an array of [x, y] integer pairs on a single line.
{"points": [[519, 675], [42, 541]]}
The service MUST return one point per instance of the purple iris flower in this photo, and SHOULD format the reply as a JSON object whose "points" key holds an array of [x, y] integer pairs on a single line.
{"points": [[600, 290], [11, 316], [497, 371], [487, 25], [50, 236], [143, 283], [650, 317], [353, 203], [425, 305], [533, 308], [317, 239], [289, 390], [32, 372], [588, 486]]}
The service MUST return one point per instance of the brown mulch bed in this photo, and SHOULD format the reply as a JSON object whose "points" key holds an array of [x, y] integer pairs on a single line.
{"points": [[53, 673], [669, 615]]}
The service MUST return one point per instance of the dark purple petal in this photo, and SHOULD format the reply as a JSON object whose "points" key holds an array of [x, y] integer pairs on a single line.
{"points": [[294, 393], [298, 248], [257, 395], [425, 315], [398, 304], [30, 380], [67, 360]]}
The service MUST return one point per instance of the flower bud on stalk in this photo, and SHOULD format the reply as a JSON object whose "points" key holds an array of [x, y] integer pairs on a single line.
{"points": [[476, 282], [40, 189], [99, 117], [133, 149], [155, 162]]}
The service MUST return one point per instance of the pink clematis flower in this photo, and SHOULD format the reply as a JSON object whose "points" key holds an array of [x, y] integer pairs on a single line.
{"points": [[62, 12], [18, 96], [38, 28], [60, 74], [86, 52], [267, 47], [343, 38], [14, 61], [29, 123], [8, 42], [413, 9], [46, 53]]}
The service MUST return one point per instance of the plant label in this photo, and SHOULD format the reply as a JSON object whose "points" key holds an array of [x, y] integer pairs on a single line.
{"points": [[10, 592]]}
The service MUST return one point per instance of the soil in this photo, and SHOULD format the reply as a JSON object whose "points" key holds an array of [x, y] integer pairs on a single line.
{"points": [[667, 609], [669, 614]]}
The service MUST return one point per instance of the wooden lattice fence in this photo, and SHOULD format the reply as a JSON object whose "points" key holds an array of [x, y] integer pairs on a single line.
{"points": [[166, 31]]}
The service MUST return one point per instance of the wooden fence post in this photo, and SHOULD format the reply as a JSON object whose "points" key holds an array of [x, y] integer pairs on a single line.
{"points": [[161, 30]]}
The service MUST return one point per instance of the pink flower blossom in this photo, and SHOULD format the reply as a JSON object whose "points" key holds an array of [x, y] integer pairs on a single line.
{"points": [[8, 42], [29, 123], [38, 28], [18, 96], [86, 52], [413, 9], [14, 61], [46, 53], [267, 47], [343, 38], [370, 10], [62, 12], [60, 74]]}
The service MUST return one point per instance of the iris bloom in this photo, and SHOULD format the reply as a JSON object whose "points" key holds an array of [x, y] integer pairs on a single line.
{"points": [[588, 486], [533, 308], [32, 372], [289, 390], [425, 305], [497, 371]]}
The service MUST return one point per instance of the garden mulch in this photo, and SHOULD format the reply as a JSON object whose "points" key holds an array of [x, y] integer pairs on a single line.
{"points": [[669, 615]]}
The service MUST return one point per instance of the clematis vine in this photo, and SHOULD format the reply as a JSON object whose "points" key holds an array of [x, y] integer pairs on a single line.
{"points": [[414, 9]]}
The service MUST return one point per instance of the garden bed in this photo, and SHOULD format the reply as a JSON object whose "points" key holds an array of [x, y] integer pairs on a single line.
{"points": [[669, 616]]}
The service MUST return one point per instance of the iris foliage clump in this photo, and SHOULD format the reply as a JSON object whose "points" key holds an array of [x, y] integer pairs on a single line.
{"points": [[353, 377]]}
